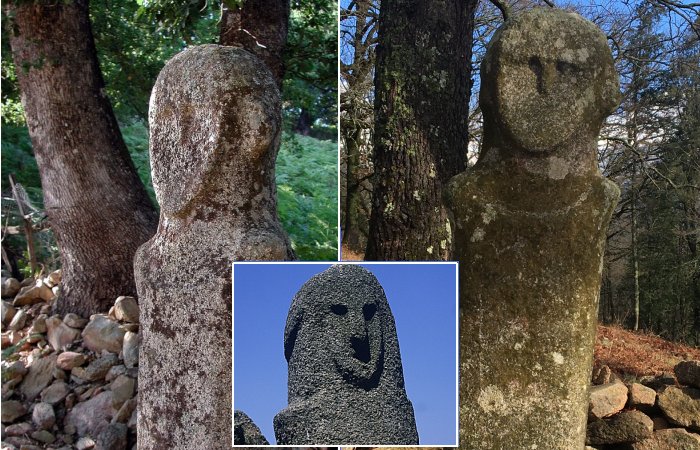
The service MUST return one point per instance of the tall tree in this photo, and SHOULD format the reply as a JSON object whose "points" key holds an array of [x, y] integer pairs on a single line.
{"points": [[259, 26], [422, 85], [97, 206]]}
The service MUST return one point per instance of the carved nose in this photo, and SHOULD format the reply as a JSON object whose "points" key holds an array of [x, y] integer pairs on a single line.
{"points": [[360, 347]]}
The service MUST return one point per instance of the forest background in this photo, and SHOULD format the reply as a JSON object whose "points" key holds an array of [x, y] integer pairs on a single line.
{"points": [[134, 39], [650, 146]]}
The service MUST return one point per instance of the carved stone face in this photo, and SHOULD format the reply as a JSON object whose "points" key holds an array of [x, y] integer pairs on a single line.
{"points": [[547, 75], [358, 342], [214, 116]]}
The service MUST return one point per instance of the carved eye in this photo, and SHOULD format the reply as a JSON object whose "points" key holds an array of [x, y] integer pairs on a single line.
{"points": [[368, 311], [566, 68], [339, 310]]}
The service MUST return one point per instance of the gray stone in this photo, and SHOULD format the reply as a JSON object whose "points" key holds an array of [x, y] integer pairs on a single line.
{"points": [[607, 399], [125, 411], [18, 321], [688, 373], [102, 333], [92, 416], [214, 134], [530, 221], [68, 360], [60, 335], [122, 390], [97, 369], [29, 295], [39, 325], [43, 436], [670, 439], [113, 437], [245, 432], [13, 370], [126, 309], [345, 379], [681, 406], [18, 429], [603, 375], [10, 287], [12, 410], [658, 382], [39, 376], [74, 321], [43, 416], [54, 277], [55, 393], [130, 350], [626, 427], [8, 313], [114, 372], [85, 443]]}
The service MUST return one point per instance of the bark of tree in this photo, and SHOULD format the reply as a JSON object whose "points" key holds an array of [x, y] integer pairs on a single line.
{"points": [[97, 206], [422, 84], [259, 26]]}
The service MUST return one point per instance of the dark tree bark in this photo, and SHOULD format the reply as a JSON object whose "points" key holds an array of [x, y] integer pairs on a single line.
{"points": [[259, 26], [421, 108], [303, 124], [97, 206]]}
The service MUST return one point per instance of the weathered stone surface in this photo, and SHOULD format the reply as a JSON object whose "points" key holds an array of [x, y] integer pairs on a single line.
{"points": [[126, 309], [606, 399], [10, 287], [125, 411], [12, 410], [54, 277], [670, 439], [626, 427], [8, 312], [122, 390], [130, 349], [214, 134], [97, 369], [101, 333], [113, 437], [39, 376], [18, 321], [245, 432], [43, 416], [68, 360], [681, 406], [13, 370], [43, 436], [39, 324], [603, 375], [641, 396], [60, 335], [36, 293], [74, 321], [55, 393], [530, 222], [345, 379], [688, 373], [92, 416], [658, 382], [18, 429]]}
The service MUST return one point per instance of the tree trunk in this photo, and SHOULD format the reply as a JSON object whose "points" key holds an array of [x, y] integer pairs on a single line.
{"points": [[259, 26], [303, 125], [97, 206], [421, 108], [352, 236]]}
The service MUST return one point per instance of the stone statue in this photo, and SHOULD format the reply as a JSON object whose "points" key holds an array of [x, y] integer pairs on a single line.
{"points": [[214, 134], [531, 219], [345, 380]]}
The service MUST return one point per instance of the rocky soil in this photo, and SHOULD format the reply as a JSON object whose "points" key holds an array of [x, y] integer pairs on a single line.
{"points": [[67, 382]]}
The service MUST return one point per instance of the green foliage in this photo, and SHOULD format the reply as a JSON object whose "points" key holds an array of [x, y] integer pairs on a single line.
{"points": [[135, 136], [307, 196], [18, 160]]}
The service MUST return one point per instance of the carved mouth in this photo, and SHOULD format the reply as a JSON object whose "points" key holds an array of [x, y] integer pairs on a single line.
{"points": [[361, 349]]}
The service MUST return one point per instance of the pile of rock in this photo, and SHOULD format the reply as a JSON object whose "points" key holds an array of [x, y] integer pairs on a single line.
{"points": [[67, 382], [653, 413]]}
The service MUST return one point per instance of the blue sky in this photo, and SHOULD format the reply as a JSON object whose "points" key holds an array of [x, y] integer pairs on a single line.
{"points": [[422, 298]]}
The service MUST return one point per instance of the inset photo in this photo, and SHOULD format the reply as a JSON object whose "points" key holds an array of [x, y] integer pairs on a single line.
{"points": [[345, 354]]}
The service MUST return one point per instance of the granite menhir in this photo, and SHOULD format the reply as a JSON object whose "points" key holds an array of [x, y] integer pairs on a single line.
{"points": [[345, 380], [214, 134], [531, 219]]}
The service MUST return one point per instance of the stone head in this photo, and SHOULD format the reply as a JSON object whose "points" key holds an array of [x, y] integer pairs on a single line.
{"points": [[214, 121], [547, 77], [339, 331]]}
